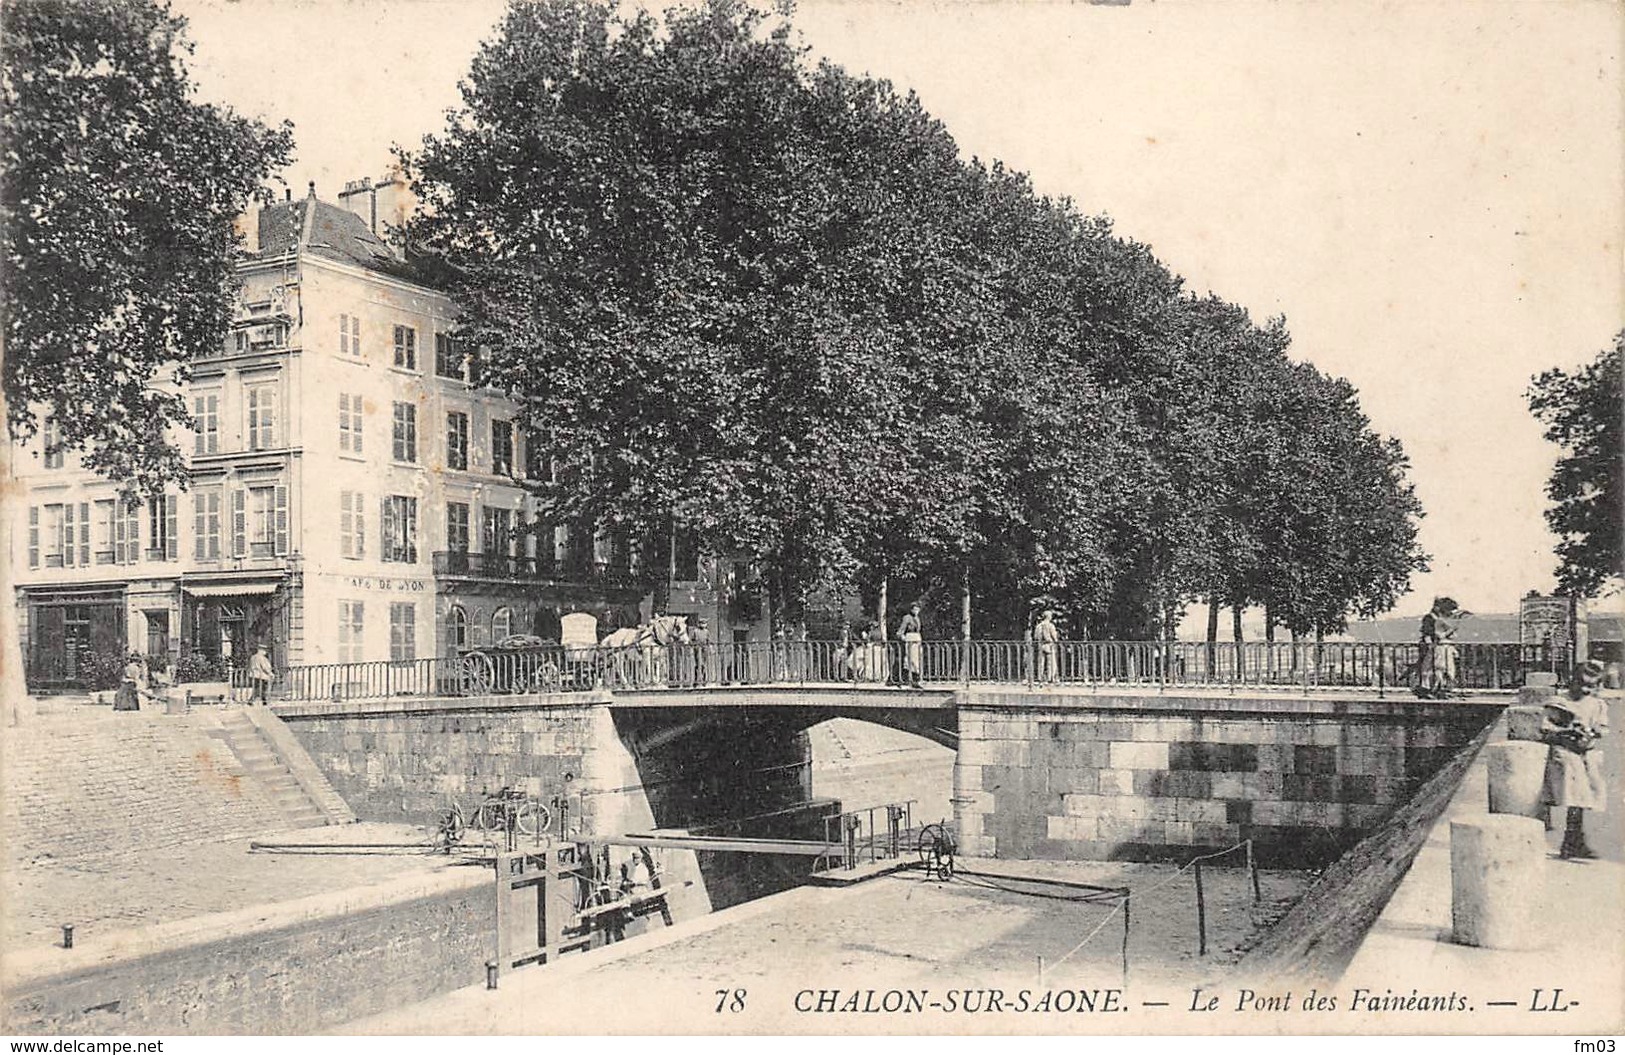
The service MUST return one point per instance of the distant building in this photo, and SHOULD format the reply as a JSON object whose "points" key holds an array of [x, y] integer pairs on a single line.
{"points": [[354, 495]]}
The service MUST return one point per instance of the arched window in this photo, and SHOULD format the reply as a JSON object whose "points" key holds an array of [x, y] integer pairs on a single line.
{"points": [[456, 628], [501, 624]]}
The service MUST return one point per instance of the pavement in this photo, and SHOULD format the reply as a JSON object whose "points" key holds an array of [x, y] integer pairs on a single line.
{"points": [[791, 963], [106, 897], [1583, 954]]}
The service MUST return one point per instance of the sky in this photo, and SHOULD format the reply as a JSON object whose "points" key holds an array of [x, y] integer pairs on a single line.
{"points": [[1433, 194]]}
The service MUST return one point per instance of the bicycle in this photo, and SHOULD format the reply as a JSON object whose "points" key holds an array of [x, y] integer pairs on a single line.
{"points": [[511, 809], [936, 848]]}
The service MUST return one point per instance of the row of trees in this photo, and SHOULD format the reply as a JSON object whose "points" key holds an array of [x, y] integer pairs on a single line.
{"points": [[1581, 410], [766, 302]]}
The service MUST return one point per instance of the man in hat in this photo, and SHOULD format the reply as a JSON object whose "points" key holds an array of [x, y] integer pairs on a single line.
{"points": [[913, 645], [1573, 764], [260, 674], [1048, 639], [699, 638]]}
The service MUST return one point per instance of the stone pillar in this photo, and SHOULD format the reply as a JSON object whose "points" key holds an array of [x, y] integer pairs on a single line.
{"points": [[1517, 773], [1497, 887]]}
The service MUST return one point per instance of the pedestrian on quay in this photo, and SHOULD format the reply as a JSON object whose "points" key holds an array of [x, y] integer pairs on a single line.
{"points": [[260, 675], [1048, 639], [908, 631], [699, 637], [1574, 777], [159, 678], [134, 683]]}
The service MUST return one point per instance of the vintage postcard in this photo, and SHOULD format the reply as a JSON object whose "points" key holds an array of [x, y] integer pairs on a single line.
{"points": [[838, 517]]}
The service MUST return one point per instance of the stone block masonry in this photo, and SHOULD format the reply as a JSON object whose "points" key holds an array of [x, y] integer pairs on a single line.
{"points": [[410, 760], [296, 967], [94, 782], [1085, 777]]}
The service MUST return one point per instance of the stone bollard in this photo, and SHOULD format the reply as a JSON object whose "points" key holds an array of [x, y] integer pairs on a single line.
{"points": [[1525, 721], [1535, 695], [1497, 881], [1517, 774]]}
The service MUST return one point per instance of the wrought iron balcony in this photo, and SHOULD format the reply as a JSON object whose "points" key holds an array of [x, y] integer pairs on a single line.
{"points": [[456, 564]]}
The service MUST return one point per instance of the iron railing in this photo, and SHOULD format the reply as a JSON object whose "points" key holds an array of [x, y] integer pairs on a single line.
{"points": [[1183, 664], [448, 563]]}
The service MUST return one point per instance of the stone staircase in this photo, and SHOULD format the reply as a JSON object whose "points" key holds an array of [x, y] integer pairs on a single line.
{"points": [[263, 764]]}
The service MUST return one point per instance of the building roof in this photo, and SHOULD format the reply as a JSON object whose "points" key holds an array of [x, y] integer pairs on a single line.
{"points": [[323, 229], [1489, 628]]}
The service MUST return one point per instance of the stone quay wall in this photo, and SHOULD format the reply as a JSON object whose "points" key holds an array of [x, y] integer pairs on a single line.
{"points": [[408, 760], [1081, 777], [296, 967]]}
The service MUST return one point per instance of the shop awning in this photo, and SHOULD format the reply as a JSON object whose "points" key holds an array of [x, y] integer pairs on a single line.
{"points": [[230, 589]]}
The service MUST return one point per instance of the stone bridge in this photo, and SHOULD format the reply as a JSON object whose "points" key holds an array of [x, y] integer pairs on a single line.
{"points": [[1095, 773]]}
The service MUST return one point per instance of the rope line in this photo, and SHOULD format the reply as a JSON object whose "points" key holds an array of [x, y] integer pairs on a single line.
{"points": [[1124, 900]]}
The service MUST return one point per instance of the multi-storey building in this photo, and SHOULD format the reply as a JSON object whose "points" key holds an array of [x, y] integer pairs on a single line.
{"points": [[353, 495]]}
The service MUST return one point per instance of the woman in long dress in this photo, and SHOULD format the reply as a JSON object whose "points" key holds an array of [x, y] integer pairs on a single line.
{"points": [[128, 697], [1574, 776]]}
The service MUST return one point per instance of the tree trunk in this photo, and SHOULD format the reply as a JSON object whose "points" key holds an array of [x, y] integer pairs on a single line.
{"points": [[964, 622], [1269, 639], [1212, 637], [13, 682], [880, 605], [1235, 631]]}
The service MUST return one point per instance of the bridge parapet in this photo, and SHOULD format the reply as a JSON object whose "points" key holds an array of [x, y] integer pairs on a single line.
{"points": [[1144, 776]]}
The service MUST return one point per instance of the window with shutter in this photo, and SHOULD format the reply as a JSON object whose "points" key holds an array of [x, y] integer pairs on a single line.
{"points": [[84, 534], [350, 420], [33, 536], [69, 532], [199, 526], [502, 447], [206, 409], [406, 348], [282, 520], [172, 527], [403, 631], [406, 432], [239, 522], [262, 418], [351, 631], [106, 527], [456, 440]]}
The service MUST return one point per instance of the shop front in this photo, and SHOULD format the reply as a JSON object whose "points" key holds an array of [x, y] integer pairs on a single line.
{"points": [[222, 622], [73, 634]]}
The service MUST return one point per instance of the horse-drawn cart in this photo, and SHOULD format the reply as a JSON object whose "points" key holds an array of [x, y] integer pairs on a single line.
{"points": [[519, 663]]}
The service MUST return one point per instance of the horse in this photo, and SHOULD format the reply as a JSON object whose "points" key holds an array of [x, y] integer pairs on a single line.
{"points": [[640, 653]]}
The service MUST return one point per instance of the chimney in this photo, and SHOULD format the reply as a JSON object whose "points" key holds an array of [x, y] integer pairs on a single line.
{"points": [[396, 202], [247, 225], [360, 198]]}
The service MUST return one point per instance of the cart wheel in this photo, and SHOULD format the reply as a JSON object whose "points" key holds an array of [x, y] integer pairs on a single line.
{"points": [[450, 831], [547, 678], [531, 817], [488, 818], [478, 674], [930, 836]]}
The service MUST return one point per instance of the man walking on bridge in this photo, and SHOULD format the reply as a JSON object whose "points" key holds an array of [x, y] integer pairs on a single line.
{"points": [[1048, 639], [913, 645]]}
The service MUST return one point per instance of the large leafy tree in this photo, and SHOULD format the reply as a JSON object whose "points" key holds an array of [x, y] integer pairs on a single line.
{"points": [[770, 304], [1581, 411], [118, 192]]}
